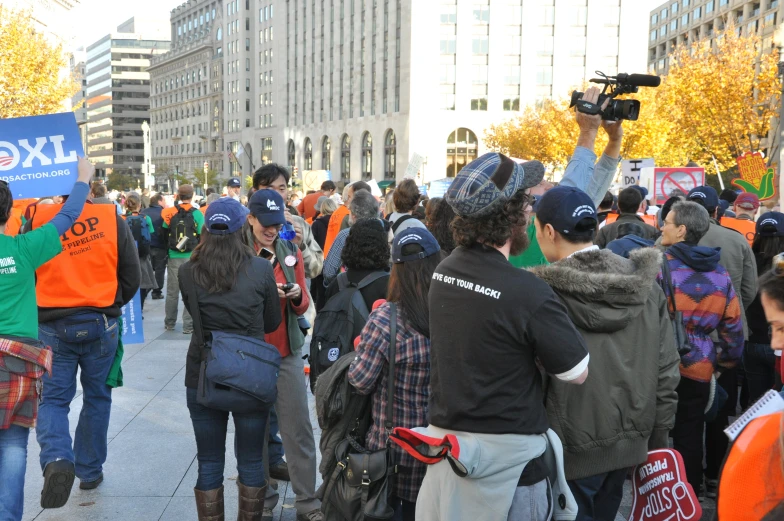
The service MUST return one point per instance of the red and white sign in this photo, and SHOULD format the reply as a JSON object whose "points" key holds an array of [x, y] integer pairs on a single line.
{"points": [[661, 491], [665, 180]]}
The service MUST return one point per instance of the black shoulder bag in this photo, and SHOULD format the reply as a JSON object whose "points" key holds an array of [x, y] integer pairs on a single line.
{"points": [[678, 327], [361, 485]]}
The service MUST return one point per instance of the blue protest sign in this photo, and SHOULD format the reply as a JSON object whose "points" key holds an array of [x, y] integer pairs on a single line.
{"points": [[133, 328], [39, 154]]}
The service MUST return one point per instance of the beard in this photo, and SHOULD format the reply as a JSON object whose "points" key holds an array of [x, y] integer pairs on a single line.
{"points": [[520, 240]]}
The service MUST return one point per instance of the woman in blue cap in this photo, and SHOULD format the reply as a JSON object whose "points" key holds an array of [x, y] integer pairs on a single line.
{"points": [[236, 293], [415, 254]]}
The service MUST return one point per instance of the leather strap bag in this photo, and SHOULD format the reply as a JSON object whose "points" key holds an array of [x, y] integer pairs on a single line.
{"points": [[360, 487]]}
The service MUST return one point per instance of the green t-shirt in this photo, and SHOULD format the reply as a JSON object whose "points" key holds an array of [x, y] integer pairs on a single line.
{"points": [[20, 256], [177, 254], [531, 257]]}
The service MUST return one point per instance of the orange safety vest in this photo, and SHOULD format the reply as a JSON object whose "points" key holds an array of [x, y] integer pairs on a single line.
{"points": [[611, 218], [752, 483], [334, 227], [747, 228], [14, 224], [650, 219], [85, 274]]}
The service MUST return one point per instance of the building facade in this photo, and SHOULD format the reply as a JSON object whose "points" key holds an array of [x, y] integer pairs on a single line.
{"points": [[357, 87], [683, 22], [187, 88], [118, 96], [78, 71]]}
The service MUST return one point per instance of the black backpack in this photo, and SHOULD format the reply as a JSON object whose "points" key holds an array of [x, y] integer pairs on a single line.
{"points": [[183, 224], [333, 332], [140, 232]]}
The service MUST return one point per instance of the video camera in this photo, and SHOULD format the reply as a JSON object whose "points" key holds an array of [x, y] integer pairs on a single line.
{"points": [[621, 84]]}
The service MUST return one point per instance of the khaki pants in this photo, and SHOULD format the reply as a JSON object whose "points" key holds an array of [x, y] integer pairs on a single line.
{"points": [[173, 297]]}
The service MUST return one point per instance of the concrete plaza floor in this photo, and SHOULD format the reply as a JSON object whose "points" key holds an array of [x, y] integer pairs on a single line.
{"points": [[151, 467]]}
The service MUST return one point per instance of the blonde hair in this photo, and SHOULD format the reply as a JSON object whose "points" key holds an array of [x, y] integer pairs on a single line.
{"points": [[133, 202], [329, 206], [389, 206]]}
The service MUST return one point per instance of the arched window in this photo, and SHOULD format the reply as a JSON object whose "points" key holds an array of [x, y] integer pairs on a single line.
{"points": [[367, 156], [308, 154], [390, 155], [326, 154], [461, 149], [345, 158], [292, 156]]}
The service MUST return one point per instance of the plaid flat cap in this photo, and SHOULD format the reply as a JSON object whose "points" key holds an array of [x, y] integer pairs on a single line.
{"points": [[489, 181]]}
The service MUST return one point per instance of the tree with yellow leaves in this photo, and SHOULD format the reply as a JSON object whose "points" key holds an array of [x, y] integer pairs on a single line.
{"points": [[30, 81], [722, 94], [715, 101]]}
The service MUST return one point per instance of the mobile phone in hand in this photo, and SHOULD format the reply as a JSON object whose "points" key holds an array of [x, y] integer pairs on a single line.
{"points": [[287, 287]]}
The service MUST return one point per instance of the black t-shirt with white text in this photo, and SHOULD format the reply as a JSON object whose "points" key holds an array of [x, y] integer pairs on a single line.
{"points": [[489, 321]]}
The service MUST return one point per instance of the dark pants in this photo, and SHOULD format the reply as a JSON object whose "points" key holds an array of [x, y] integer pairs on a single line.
{"points": [[689, 427], [759, 364], [716, 442], [159, 258], [209, 426], [598, 497], [404, 510], [275, 443]]}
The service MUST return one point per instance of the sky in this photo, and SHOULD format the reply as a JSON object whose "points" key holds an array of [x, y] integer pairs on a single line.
{"points": [[97, 18]]}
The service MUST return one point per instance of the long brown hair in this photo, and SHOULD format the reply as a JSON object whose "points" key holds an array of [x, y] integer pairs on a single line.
{"points": [[217, 260], [409, 286]]}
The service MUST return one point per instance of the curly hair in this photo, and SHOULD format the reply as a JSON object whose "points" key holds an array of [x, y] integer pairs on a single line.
{"points": [[494, 229], [406, 196], [6, 202], [439, 218], [367, 246]]}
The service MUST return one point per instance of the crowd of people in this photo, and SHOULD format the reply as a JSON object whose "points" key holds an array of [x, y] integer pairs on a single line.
{"points": [[507, 321]]}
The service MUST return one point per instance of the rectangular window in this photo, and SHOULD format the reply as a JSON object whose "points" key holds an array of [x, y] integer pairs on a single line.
{"points": [[479, 97], [511, 97], [663, 13], [654, 19], [653, 35], [674, 8], [480, 43], [449, 14], [481, 14], [673, 26], [697, 13], [448, 96], [709, 6], [685, 20], [448, 39]]}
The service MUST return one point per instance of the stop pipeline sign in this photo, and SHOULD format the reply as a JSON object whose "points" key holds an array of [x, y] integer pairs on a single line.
{"points": [[668, 179]]}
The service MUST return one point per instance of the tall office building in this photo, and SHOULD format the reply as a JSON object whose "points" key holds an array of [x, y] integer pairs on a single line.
{"points": [[118, 94], [78, 71], [186, 93], [683, 22], [358, 86]]}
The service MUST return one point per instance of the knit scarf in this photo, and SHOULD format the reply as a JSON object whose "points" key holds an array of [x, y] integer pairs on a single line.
{"points": [[296, 338]]}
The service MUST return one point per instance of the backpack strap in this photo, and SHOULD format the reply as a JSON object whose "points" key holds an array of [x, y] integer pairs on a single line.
{"points": [[357, 300], [343, 281], [400, 221]]}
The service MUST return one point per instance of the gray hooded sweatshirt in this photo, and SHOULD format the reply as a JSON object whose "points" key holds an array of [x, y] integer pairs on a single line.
{"points": [[627, 405]]}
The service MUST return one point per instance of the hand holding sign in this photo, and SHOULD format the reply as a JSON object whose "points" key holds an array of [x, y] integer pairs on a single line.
{"points": [[86, 171]]}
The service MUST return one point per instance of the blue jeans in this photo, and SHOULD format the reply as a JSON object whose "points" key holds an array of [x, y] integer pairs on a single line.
{"points": [[87, 341], [275, 443], [209, 426], [759, 366], [598, 497], [13, 462]]}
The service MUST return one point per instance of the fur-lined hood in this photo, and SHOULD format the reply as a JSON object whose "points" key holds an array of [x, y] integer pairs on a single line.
{"points": [[602, 291]]}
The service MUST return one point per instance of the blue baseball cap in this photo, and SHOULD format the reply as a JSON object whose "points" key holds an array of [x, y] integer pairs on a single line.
{"points": [[234, 182], [402, 250], [705, 195], [771, 224], [224, 216], [488, 181], [642, 190], [267, 206], [564, 207]]}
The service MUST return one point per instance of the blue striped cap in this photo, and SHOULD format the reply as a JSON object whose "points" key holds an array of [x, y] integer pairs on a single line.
{"points": [[490, 180]]}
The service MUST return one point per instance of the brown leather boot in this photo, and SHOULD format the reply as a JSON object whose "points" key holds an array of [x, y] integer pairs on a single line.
{"points": [[209, 504], [251, 505]]}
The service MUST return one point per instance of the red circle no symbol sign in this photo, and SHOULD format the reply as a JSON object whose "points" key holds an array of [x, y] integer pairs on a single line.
{"points": [[684, 181]]}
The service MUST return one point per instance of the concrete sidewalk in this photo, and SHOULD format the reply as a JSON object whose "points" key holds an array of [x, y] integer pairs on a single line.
{"points": [[151, 467]]}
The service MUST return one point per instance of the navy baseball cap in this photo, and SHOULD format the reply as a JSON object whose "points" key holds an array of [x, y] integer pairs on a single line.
{"points": [[706, 195], [234, 182], [771, 224], [224, 216], [642, 190], [564, 207], [267, 206], [488, 181], [404, 247]]}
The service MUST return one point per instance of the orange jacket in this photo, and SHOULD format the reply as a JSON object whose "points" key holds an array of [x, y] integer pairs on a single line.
{"points": [[14, 224], [752, 480], [747, 228], [307, 207], [334, 227], [85, 274]]}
